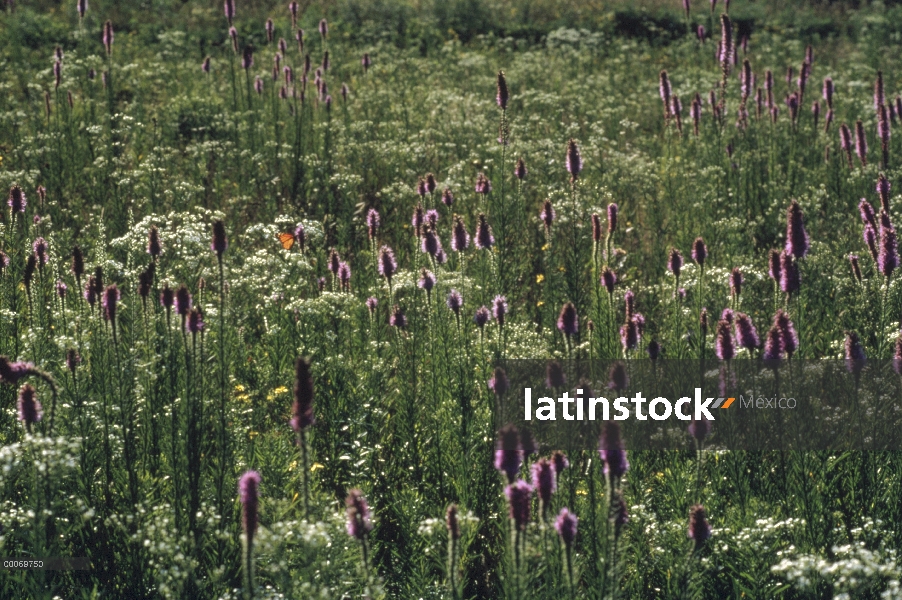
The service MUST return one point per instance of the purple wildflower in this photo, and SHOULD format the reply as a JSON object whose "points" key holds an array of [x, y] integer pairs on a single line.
{"points": [[12, 372], [371, 303], [675, 262], [554, 375], [568, 322], [699, 429], [387, 264], [484, 238], [746, 333], [888, 257], [856, 268], [61, 288], [629, 335], [460, 239], [16, 200], [455, 302], [499, 382], [547, 214], [723, 345], [30, 411], [508, 452], [867, 213], [372, 223], [574, 160], [520, 171], [796, 237], [366, 62], [481, 317], [544, 480], [699, 529], [608, 279], [565, 525], [788, 335], [483, 185], [228, 8], [182, 301], [773, 344], [699, 251], [665, 90], [357, 508], [397, 318], [39, 246], [194, 324], [610, 448], [503, 95], [519, 495], [883, 188], [499, 309], [302, 407], [110, 302], [612, 217], [447, 197], [323, 28], [855, 356], [107, 37], [790, 280], [247, 58], [618, 378], [560, 462], [426, 281]]}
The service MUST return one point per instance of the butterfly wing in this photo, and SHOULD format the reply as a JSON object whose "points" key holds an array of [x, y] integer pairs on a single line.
{"points": [[287, 240]]}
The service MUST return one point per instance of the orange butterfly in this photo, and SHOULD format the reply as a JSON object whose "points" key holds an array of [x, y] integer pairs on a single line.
{"points": [[287, 240]]}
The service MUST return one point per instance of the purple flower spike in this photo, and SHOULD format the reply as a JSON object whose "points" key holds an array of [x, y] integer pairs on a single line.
{"points": [[460, 239], [675, 262], [619, 380], [610, 448], [39, 246], [788, 336], [228, 8], [484, 238], [870, 239], [520, 171], [519, 496], [699, 529], [544, 480], [723, 345], [426, 281], [481, 317], [665, 90], [12, 372], [560, 462], [856, 267], [654, 350], [503, 95], [608, 280], [629, 335], [612, 217], [447, 197], [108, 37], [790, 280], [16, 200], [565, 525], [248, 491], [372, 223], [195, 323], [855, 357], [499, 309], [387, 264], [499, 382], [699, 429], [797, 243], [547, 214], [736, 282], [508, 452], [883, 188], [574, 160], [867, 213], [30, 411], [110, 302], [371, 303], [323, 28], [302, 407], [568, 322], [397, 318], [773, 345], [699, 251], [357, 510], [483, 185], [455, 301], [888, 256], [746, 332]]}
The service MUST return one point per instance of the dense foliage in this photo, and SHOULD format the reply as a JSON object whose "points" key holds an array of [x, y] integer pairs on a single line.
{"points": [[294, 260]]}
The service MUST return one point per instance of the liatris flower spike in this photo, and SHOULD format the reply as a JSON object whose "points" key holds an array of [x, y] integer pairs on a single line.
{"points": [[699, 529], [574, 161], [358, 514], [519, 496], [503, 95], [568, 322], [302, 407], [565, 525], [508, 452], [30, 411], [797, 243], [499, 383], [611, 450]]}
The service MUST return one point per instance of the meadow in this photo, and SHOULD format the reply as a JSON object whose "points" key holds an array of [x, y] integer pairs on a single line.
{"points": [[262, 266]]}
